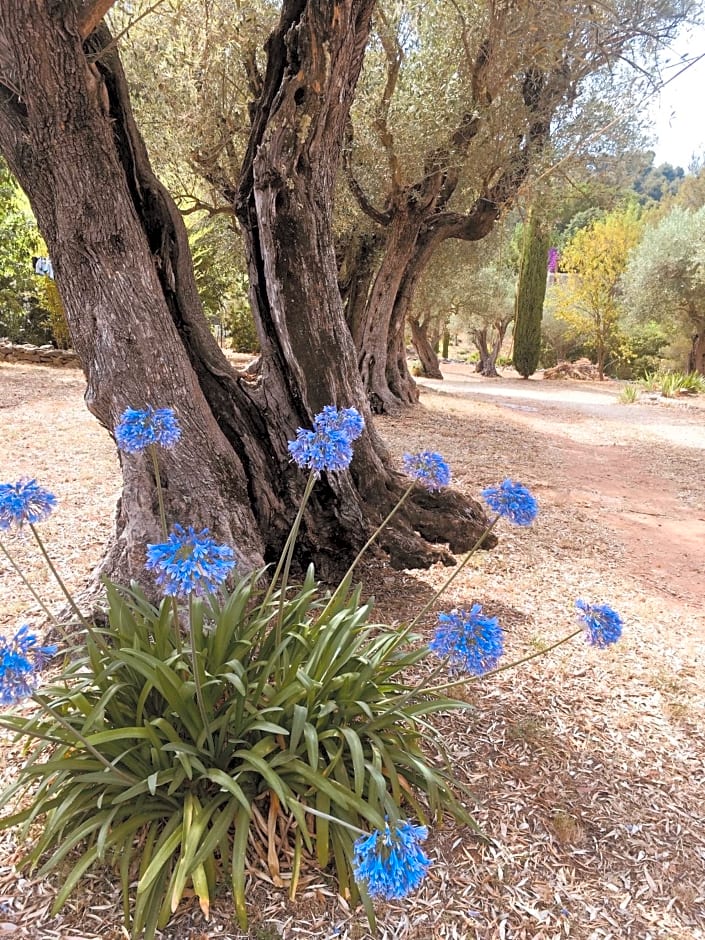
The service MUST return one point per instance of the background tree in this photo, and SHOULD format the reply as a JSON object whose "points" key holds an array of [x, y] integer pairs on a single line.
{"points": [[473, 287], [426, 329], [655, 183], [516, 81], [665, 279], [440, 136], [530, 293], [589, 299]]}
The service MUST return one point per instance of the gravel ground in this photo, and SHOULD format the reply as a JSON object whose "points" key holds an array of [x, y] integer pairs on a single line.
{"points": [[588, 766]]}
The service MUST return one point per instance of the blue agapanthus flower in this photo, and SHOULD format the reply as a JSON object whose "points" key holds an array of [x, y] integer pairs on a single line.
{"points": [[603, 625], [21, 661], [512, 501], [137, 430], [24, 502], [427, 468], [189, 562], [391, 862], [329, 445], [347, 420], [471, 643]]}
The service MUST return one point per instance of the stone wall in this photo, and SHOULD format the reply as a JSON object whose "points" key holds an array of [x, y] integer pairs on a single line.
{"points": [[37, 355]]}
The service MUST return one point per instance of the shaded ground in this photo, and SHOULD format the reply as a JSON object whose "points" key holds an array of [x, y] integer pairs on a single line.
{"points": [[588, 766]]}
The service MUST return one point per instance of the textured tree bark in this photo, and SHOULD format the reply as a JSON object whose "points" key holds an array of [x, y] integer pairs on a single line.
{"points": [[285, 207], [356, 270], [424, 348], [696, 356], [412, 238], [489, 345], [380, 347], [58, 139], [124, 271]]}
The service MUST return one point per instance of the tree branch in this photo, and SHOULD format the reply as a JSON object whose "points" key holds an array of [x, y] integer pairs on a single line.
{"points": [[395, 56], [382, 218], [92, 14], [199, 205], [116, 39]]}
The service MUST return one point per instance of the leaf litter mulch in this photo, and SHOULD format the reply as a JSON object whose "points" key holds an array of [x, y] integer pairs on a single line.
{"points": [[587, 766]]}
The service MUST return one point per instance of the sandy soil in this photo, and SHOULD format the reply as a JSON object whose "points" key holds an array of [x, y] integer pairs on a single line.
{"points": [[588, 766], [638, 467]]}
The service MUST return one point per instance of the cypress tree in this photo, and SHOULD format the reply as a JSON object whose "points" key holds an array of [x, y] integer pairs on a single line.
{"points": [[531, 291]]}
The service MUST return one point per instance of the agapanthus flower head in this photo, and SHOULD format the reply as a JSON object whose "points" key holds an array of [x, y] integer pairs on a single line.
{"points": [[427, 468], [603, 625], [471, 642], [21, 661], [390, 861], [137, 430], [347, 420], [24, 502], [512, 501], [329, 445], [189, 562]]}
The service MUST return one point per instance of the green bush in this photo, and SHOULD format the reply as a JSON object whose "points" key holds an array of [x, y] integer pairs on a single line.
{"points": [[681, 383], [271, 722], [317, 724], [629, 394], [651, 381], [672, 384]]}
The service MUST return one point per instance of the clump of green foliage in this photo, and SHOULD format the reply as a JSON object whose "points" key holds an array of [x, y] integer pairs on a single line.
{"points": [[671, 384], [681, 383], [22, 315], [629, 394], [307, 721]]}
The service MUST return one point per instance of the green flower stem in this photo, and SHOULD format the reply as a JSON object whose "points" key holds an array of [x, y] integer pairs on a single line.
{"points": [[449, 580], [420, 687], [494, 672], [160, 493], [348, 574], [34, 594], [84, 741], [287, 555], [334, 819], [165, 532], [197, 675], [395, 509], [177, 629], [72, 603]]}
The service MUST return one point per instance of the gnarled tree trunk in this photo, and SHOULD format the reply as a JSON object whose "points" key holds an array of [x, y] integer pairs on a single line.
{"points": [[696, 356], [356, 269], [124, 271], [424, 348], [488, 341], [380, 347]]}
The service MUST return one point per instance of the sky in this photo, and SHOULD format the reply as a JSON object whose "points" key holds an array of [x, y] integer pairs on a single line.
{"points": [[678, 111]]}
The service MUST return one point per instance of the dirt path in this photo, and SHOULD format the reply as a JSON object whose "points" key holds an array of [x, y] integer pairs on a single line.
{"points": [[638, 468]]}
